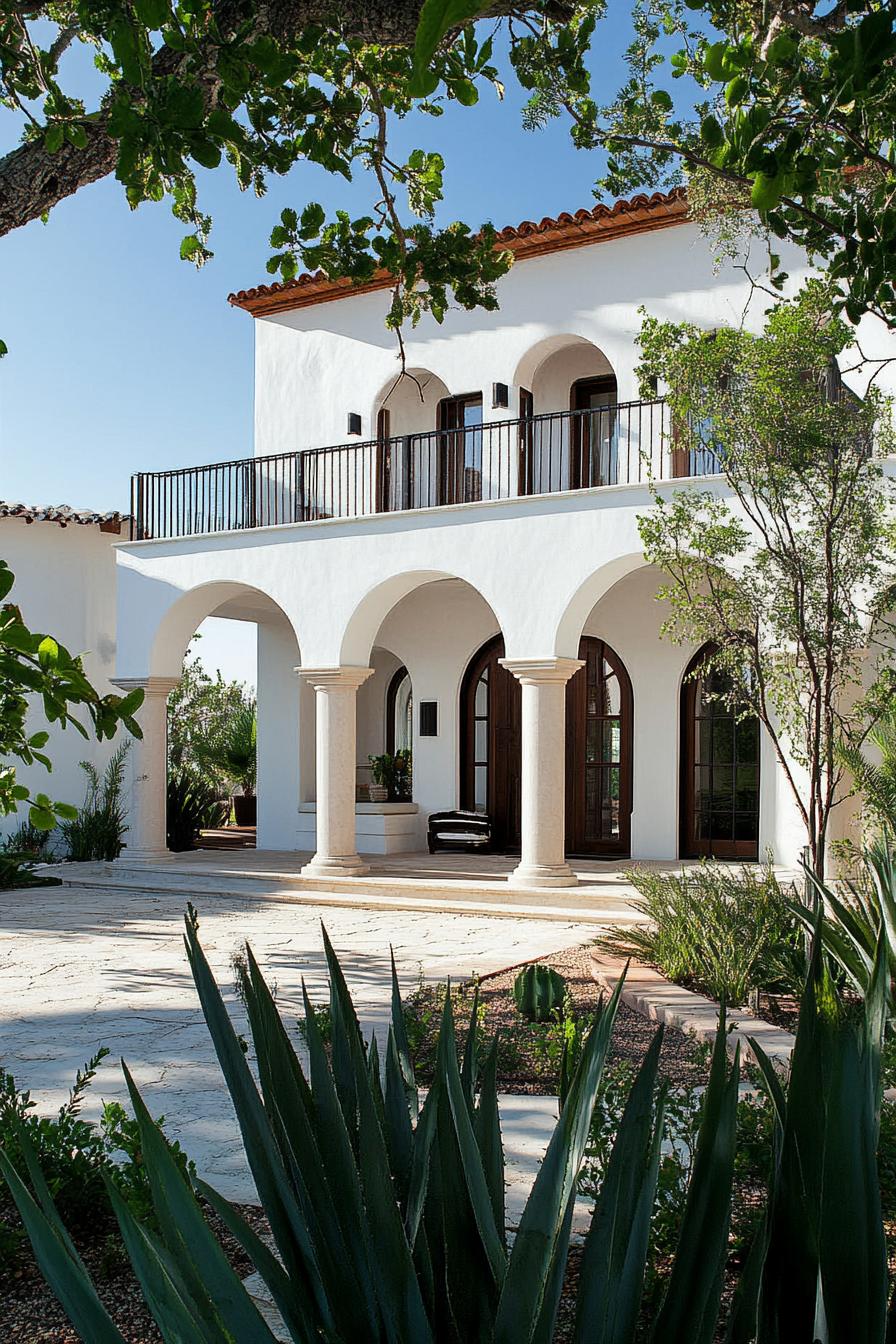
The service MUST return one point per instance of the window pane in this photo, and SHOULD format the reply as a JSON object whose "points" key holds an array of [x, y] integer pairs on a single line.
{"points": [[481, 706], [480, 787], [612, 692], [480, 747], [612, 740]]}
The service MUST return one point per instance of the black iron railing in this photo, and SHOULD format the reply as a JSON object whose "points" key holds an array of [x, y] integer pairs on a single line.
{"points": [[541, 454]]}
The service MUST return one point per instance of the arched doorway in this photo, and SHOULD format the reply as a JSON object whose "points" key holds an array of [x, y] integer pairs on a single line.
{"points": [[599, 709], [719, 769]]}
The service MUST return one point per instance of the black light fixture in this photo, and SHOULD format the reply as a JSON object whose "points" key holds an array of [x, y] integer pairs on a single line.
{"points": [[429, 718], [500, 396], [354, 422]]}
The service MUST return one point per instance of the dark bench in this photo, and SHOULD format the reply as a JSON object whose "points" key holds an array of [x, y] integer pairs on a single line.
{"points": [[458, 830]]}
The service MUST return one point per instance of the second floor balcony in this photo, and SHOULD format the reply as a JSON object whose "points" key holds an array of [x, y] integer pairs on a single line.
{"points": [[470, 460]]}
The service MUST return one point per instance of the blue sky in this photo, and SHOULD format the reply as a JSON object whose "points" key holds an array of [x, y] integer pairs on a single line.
{"points": [[124, 358]]}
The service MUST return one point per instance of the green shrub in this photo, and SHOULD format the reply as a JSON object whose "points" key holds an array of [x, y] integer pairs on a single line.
{"points": [[538, 992], [193, 805], [722, 930], [97, 832], [76, 1157]]}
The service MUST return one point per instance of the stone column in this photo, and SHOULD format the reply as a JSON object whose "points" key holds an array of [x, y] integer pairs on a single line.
{"points": [[336, 694], [543, 815], [146, 836]]}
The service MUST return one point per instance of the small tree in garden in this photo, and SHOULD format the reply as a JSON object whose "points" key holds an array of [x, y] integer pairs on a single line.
{"points": [[200, 710], [783, 579]]}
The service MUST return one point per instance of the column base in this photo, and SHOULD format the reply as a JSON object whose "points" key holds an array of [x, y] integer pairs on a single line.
{"points": [[543, 875], [343, 865]]}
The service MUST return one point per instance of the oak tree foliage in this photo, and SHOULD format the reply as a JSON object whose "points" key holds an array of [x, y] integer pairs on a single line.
{"points": [[788, 106]]}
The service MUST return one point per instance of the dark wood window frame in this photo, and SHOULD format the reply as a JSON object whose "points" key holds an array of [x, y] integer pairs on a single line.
{"points": [[453, 483], [580, 462], [690, 844]]}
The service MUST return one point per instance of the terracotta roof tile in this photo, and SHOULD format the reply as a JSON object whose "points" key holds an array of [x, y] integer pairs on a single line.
{"points": [[603, 223], [63, 514]]}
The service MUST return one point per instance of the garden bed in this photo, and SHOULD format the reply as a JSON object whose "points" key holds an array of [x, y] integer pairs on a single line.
{"points": [[529, 1053]]}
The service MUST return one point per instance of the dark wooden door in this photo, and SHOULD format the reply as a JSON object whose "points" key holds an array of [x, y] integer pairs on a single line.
{"points": [[592, 446], [460, 449], [491, 703], [720, 770], [599, 710], [598, 749]]}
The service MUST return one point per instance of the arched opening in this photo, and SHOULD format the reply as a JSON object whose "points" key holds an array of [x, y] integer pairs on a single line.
{"points": [[719, 767], [569, 419], [232, 736], [418, 632], [410, 417], [599, 710], [399, 728]]}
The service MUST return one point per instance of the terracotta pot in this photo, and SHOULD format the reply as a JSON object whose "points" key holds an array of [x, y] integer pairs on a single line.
{"points": [[245, 809]]}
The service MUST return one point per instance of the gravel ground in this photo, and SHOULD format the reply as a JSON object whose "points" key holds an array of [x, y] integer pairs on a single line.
{"points": [[528, 1055], [31, 1314]]}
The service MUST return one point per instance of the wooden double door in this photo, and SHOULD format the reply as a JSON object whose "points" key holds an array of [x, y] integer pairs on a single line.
{"points": [[598, 749]]}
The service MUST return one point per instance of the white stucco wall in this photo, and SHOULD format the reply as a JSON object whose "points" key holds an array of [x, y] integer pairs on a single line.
{"points": [[65, 586]]}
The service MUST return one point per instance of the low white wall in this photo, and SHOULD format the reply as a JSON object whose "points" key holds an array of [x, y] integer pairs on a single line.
{"points": [[65, 586]]}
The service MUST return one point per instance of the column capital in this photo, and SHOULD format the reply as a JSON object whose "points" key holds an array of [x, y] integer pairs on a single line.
{"points": [[150, 685], [536, 671], [335, 678]]}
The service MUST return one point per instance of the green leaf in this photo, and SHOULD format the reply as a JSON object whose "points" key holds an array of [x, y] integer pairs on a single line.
{"points": [[611, 1279], [154, 13], [660, 98], [711, 132], [766, 191], [66, 810], [436, 18], [48, 650], [690, 1309], [42, 818], [537, 1240], [60, 1266]]}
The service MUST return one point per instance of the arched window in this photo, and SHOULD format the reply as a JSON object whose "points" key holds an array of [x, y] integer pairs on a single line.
{"points": [[720, 768], [399, 713]]}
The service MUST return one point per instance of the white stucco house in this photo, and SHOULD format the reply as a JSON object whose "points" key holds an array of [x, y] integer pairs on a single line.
{"points": [[63, 560], [451, 561]]}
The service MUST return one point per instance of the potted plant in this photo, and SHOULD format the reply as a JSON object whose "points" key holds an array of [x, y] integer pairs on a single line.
{"points": [[391, 777], [233, 753]]}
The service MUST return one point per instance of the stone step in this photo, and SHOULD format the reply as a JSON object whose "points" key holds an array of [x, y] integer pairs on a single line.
{"points": [[574, 904]]}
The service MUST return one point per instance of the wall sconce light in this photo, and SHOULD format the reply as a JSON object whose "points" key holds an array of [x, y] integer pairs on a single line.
{"points": [[354, 422], [500, 396], [429, 718]]}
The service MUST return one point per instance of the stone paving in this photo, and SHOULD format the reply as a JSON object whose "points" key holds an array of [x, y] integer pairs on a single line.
{"points": [[80, 968]]}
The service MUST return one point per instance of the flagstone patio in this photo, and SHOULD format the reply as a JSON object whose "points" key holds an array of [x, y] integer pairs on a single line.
{"points": [[82, 967]]}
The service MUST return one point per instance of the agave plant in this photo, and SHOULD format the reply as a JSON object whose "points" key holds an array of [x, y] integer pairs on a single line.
{"points": [[387, 1214], [857, 919]]}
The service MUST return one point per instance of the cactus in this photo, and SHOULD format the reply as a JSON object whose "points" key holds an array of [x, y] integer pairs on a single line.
{"points": [[538, 992]]}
